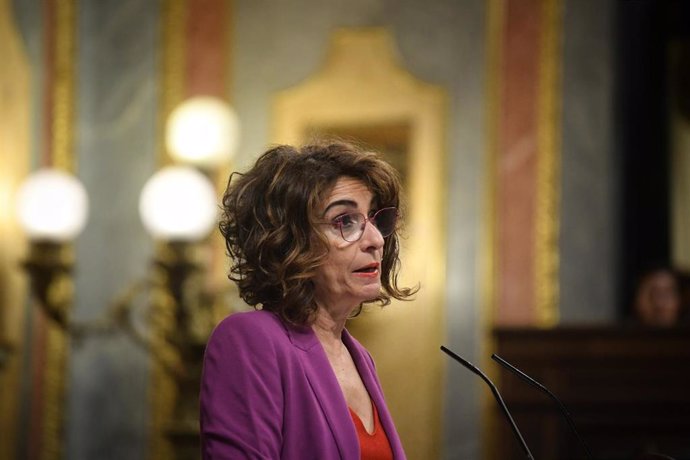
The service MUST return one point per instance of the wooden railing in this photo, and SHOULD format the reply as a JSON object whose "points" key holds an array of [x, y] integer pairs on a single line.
{"points": [[627, 388]]}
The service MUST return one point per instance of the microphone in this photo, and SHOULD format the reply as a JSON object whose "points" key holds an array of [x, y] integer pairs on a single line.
{"points": [[496, 394], [541, 387]]}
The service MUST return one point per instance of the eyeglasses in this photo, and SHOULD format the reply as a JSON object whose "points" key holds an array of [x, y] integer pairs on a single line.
{"points": [[352, 225]]}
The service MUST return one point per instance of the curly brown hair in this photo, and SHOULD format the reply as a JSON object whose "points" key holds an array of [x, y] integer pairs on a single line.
{"points": [[269, 222]]}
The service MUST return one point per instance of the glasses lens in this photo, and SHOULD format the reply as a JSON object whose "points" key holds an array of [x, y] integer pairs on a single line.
{"points": [[351, 226], [385, 220]]}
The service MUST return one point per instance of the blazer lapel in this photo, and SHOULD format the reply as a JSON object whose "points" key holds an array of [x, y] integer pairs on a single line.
{"points": [[368, 374], [327, 391]]}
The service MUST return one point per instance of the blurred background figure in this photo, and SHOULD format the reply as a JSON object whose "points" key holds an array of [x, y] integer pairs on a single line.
{"points": [[657, 298]]}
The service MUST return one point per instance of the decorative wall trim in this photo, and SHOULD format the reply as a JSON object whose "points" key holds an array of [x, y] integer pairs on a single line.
{"points": [[60, 106], [63, 84], [525, 139], [15, 150], [546, 282], [57, 359], [488, 260], [171, 91], [171, 84], [532, 149]]}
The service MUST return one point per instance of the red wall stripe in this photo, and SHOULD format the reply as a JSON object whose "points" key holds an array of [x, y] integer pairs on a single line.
{"points": [[517, 161]]}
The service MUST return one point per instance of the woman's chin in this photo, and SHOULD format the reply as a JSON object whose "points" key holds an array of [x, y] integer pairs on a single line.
{"points": [[371, 292]]}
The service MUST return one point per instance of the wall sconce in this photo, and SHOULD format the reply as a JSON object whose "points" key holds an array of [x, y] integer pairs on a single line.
{"points": [[203, 131], [178, 207], [52, 209]]}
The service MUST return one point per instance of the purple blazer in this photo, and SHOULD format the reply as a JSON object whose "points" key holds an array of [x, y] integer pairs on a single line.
{"points": [[268, 392]]}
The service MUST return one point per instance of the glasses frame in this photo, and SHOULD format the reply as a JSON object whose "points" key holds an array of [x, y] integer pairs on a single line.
{"points": [[371, 220]]}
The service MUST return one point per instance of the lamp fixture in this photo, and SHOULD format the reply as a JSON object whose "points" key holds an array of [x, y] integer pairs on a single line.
{"points": [[52, 208], [203, 131], [178, 207], [52, 205], [178, 203]]}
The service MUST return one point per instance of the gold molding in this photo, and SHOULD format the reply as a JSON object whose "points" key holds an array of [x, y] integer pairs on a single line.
{"points": [[15, 95], [62, 156], [488, 261], [546, 277], [218, 268], [171, 85], [54, 377], [162, 392], [162, 389], [361, 85], [62, 152]]}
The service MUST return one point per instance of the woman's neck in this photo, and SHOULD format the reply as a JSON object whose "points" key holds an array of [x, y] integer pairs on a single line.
{"points": [[329, 332], [329, 327]]}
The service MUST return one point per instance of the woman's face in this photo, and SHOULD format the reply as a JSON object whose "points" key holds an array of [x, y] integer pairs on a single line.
{"points": [[351, 273], [658, 300]]}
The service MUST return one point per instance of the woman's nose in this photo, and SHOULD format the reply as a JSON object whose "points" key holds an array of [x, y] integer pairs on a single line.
{"points": [[372, 236]]}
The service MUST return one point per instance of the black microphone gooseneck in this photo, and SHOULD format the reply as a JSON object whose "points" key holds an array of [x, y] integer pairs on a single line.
{"points": [[497, 395], [541, 387]]}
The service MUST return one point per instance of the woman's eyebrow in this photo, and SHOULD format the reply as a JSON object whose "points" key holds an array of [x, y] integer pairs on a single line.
{"points": [[344, 202]]}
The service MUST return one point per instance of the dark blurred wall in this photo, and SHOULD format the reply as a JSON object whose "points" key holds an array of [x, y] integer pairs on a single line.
{"points": [[646, 31], [642, 139]]}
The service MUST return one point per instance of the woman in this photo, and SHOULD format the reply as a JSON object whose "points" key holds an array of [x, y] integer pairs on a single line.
{"points": [[312, 236], [657, 297]]}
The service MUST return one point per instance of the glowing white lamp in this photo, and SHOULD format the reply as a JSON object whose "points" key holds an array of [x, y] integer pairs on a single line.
{"points": [[52, 205], [203, 131], [178, 203]]}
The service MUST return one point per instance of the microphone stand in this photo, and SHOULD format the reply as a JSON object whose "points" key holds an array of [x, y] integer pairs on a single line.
{"points": [[496, 394]]}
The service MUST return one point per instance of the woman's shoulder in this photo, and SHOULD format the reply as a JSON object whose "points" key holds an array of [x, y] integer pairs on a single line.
{"points": [[250, 323], [260, 329]]}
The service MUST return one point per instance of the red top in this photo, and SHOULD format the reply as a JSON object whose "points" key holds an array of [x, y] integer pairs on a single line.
{"points": [[374, 446]]}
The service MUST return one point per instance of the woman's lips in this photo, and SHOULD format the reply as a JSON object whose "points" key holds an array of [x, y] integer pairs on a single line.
{"points": [[368, 271]]}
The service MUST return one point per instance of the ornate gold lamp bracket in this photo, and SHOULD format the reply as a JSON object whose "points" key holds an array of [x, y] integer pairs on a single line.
{"points": [[49, 266], [52, 208]]}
